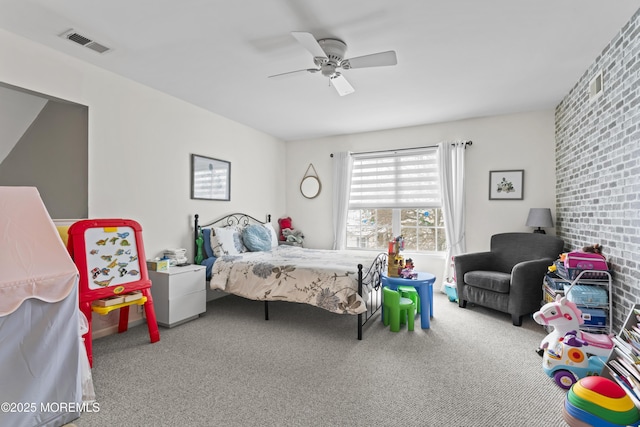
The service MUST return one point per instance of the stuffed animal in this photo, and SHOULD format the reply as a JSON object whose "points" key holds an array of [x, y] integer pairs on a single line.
{"points": [[284, 223], [593, 249], [293, 236]]}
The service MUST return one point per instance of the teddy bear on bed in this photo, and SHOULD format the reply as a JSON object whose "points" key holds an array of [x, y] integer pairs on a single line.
{"points": [[284, 223], [293, 236]]}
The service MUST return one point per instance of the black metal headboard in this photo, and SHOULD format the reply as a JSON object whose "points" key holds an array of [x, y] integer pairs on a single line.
{"points": [[226, 221]]}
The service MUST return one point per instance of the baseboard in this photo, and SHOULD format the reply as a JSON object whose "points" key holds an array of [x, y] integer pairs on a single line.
{"points": [[111, 330]]}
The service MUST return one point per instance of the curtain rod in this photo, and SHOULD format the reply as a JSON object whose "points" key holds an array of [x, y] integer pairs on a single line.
{"points": [[404, 149]]}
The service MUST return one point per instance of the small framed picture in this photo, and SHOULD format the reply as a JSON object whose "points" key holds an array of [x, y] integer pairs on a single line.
{"points": [[210, 178], [506, 185]]}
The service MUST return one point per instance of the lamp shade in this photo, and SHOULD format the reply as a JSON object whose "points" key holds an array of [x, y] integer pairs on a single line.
{"points": [[539, 217]]}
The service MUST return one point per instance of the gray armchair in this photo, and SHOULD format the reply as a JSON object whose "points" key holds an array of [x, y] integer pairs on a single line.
{"points": [[509, 277]]}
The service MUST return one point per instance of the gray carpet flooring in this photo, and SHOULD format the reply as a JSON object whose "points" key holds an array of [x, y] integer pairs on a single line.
{"points": [[305, 367]]}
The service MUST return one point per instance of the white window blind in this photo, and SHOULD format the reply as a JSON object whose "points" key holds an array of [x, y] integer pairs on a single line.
{"points": [[402, 179]]}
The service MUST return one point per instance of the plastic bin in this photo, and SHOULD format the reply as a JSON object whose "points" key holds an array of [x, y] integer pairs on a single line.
{"points": [[451, 291], [586, 295], [572, 273]]}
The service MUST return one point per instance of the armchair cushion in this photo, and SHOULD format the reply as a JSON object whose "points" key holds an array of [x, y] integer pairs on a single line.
{"points": [[495, 281]]}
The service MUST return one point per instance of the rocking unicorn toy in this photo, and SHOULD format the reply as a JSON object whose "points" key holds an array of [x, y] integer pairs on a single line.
{"points": [[570, 354]]}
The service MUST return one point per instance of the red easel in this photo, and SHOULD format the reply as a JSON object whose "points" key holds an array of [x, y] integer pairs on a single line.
{"points": [[109, 255]]}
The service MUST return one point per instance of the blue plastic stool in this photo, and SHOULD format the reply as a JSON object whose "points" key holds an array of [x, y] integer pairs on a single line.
{"points": [[395, 309]]}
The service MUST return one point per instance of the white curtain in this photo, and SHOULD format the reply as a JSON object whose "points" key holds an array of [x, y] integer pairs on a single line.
{"points": [[451, 170], [342, 166]]}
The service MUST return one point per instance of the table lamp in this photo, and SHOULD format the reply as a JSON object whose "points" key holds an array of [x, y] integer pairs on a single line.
{"points": [[539, 217]]}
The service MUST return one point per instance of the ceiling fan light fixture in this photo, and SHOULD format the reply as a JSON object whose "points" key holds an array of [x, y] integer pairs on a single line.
{"points": [[328, 69]]}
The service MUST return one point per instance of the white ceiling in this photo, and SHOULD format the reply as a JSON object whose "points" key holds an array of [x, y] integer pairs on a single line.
{"points": [[456, 59]]}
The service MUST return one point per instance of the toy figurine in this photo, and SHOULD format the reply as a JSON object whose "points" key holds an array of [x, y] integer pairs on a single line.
{"points": [[407, 271], [396, 261]]}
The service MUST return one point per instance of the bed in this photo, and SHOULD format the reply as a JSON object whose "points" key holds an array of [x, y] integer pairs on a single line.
{"points": [[243, 257]]}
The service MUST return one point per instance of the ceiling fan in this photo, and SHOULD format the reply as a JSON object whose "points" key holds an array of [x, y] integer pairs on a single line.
{"points": [[328, 56]]}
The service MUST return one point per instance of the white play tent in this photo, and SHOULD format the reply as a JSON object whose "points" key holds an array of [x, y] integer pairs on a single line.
{"points": [[40, 363]]}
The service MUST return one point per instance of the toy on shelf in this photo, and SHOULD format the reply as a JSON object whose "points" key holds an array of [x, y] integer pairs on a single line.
{"points": [[569, 354], [396, 261], [598, 401]]}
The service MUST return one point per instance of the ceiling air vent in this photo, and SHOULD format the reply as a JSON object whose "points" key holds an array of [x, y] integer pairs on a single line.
{"points": [[85, 41]]}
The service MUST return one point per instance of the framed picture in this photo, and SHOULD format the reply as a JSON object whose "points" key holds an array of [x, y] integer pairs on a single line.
{"points": [[506, 185], [210, 178]]}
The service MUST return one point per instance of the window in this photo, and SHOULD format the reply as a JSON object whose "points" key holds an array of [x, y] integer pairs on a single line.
{"points": [[422, 229], [396, 194]]}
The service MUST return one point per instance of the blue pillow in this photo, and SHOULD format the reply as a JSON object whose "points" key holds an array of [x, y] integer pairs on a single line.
{"points": [[256, 238], [206, 235], [209, 264]]}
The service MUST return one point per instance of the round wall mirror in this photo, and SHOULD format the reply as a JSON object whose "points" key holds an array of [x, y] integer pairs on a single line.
{"points": [[310, 187]]}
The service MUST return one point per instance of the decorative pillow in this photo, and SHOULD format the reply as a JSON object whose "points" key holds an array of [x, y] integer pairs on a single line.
{"points": [[206, 236], [256, 238], [272, 232], [208, 263], [226, 241]]}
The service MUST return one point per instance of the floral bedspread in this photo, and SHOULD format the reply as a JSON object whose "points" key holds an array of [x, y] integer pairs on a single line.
{"points": [[324, 278]]}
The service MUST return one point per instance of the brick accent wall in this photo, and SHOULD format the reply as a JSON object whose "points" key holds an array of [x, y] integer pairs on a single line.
{"points": [[598, 165]]}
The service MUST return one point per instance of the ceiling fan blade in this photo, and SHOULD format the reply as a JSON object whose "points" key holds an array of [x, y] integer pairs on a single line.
{"points": [[341, 85], [310, 43], [374, 60], [308, 70]]}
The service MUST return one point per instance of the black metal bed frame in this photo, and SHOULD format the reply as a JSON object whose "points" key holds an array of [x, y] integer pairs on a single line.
{"points": [[372, 277]]}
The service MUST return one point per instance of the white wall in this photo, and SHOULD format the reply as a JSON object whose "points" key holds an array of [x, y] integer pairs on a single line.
{"points": [[140, 141], [518, 141]]}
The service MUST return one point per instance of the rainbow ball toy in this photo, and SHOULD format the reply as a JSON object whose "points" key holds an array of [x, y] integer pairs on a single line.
{"points": [[599, 402]]}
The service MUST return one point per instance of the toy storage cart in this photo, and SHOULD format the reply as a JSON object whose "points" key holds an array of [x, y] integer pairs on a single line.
{"points": [[109, 255], [591, 290]]}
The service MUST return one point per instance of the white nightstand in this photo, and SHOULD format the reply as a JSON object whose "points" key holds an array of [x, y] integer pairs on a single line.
{"points": [[179, 294]]}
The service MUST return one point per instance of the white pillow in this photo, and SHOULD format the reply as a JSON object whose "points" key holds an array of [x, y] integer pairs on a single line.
{"points": [[226, 241], [274, 235]]}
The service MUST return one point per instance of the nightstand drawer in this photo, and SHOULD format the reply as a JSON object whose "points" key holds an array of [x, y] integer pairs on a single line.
{"points": [[187, 282], [185, 307]]}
